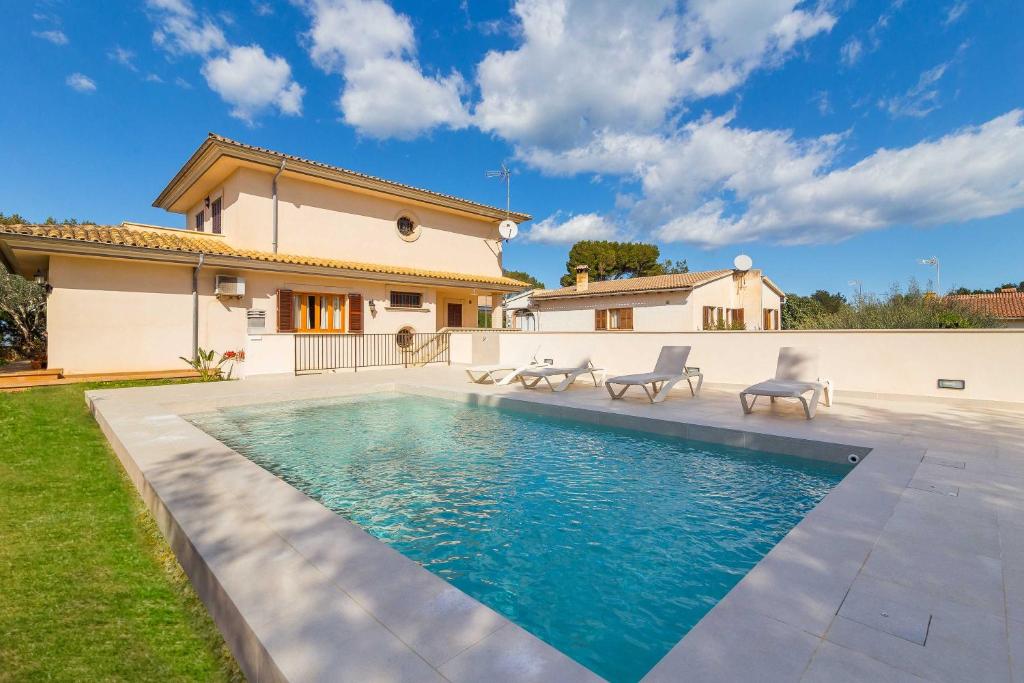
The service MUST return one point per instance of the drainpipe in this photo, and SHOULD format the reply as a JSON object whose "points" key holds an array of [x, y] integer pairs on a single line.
{"points": [[195, 306], [274, 192]]}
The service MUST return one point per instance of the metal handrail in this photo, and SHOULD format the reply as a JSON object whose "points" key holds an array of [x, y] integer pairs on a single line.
{"points": [[326, 352]]}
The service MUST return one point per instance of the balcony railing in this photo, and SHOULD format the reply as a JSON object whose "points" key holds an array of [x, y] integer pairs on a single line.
{"points": [[325, 352]]}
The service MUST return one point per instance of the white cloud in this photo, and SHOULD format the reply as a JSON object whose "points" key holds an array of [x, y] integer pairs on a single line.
{"points": [[851, 51], [923, 98], [124, 57], [153, 78], [823, 101], [591, 65], [587, 226], [180, 30], [244, 76], [956, 11], [250, 81], [971, 173], [386, 93], [55, 36], [80, 82]]}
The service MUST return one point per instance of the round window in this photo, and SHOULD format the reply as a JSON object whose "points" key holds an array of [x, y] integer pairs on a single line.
{"points": [[406, 227], [404, 337]]}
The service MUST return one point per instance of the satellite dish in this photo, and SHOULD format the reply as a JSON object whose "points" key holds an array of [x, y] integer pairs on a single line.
{"points": [[742, 262], [508, 229]]}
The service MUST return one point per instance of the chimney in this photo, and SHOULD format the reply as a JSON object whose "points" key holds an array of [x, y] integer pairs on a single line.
{"points": [[582, 278]]}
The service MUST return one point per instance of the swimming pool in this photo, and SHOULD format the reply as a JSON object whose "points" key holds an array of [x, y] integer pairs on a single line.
{"points": [[608, 544]]}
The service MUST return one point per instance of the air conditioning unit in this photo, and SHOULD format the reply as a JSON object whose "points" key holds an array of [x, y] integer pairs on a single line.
{"points": [[229, 285]]}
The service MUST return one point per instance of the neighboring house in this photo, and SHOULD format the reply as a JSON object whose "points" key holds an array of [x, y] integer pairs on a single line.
{"points": [[684, 302], [278, 245], [1006, 305], [518, 315]]}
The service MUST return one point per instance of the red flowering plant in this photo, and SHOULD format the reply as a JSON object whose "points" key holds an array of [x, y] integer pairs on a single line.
{"points": [[211, 368]]}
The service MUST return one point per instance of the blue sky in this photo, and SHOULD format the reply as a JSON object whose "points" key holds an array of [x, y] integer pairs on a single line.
{"points": [[831, 141]]}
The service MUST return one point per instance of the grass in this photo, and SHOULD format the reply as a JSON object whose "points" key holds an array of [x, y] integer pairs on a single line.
{"points": [[89, 590]]}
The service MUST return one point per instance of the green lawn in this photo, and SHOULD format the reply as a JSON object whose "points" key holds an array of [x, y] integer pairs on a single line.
{"points": [[89, 590]]}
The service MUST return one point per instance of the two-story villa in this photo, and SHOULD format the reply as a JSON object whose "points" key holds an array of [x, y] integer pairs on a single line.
{"points": [[273, 246]]}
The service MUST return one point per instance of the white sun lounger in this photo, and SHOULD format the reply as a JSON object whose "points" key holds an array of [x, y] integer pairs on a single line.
{"points": [[670, 369], [792, 380], [484, 374], [584, 367]]}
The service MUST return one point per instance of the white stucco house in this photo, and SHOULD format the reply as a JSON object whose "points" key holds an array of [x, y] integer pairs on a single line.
{"points": [[685, 302]]}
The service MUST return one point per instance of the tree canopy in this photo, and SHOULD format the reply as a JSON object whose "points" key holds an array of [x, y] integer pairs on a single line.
{"points": [[18, 219], [609, 260], [1007, 285], [22, 316], [524, 276], [897, 310]]}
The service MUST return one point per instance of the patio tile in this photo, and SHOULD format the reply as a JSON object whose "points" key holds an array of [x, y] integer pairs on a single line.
{"points": [[511, 654], [963, 642], [835, 664], [925, 564], [962, 533], [886, 613], [1016, 634], [730, 644], [436, 619]]}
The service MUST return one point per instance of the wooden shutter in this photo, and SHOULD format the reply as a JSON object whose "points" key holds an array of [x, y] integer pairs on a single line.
{"points": [[767, 319], [600, 320], [737, 315], [355, 313], [215, 208], [285, 311], [625, 318], [709, 317]]}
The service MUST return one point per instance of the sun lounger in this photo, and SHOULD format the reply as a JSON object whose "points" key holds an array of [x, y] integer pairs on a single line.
{"points": [[670, 369], [792, 379], [570, 373], [484, 374]]}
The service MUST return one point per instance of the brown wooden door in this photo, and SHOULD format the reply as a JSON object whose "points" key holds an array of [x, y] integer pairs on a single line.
{"points": [[454, 315]]}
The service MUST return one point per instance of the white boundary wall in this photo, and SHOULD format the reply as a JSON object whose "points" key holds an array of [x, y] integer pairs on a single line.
{"points": [[880, 362]]}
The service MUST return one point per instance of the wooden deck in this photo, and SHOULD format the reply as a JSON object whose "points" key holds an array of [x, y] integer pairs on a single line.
{"points": [[26, 379]]}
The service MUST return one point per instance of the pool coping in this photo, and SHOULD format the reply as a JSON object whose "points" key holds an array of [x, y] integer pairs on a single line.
{"points": [[297, 590]]}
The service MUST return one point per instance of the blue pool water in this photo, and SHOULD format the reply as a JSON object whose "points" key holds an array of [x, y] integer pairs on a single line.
{"points": [[608, 544]]}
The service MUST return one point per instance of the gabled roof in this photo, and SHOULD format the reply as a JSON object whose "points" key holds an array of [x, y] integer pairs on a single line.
{"points": [[1004, 305], [652, 283], [217, 146], [164, 242]]}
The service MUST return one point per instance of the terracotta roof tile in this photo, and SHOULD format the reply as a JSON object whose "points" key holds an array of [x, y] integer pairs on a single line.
{"points": [[1006, 305], [167, 240], [638, 284]]}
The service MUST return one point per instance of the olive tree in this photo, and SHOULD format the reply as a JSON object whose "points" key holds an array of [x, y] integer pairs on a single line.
{"points": [[23, 311]]}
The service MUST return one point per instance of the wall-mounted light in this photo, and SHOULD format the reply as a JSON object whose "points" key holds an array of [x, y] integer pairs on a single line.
{"points": [[952, 384], [40, 279], [373, 307], [206, 202]]}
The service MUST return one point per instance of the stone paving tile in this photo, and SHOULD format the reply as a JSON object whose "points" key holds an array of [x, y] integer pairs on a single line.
{"points": [[925, 564], [835, 664], [963, 642], [961, 533], [731, 644], [1016, 634], [511, 654]]}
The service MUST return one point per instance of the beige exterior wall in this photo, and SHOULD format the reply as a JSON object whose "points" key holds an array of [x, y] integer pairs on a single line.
{"points": [[114, 315], [324, 220], [887, 362], [666, 311]]}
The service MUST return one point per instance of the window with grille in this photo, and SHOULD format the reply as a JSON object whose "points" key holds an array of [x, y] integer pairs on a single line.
{"points": [[406, 300]]}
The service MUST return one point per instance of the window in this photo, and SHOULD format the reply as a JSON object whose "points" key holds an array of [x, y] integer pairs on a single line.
{"points": [[771, 319], [318, 312], [712, 316], [407, 228], [200, 221], [215, 210], [405, 337], [406, 300], [734, 316], [613, 319]]}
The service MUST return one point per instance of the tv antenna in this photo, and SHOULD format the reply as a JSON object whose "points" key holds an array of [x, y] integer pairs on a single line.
{"points": [[507, 228]]}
